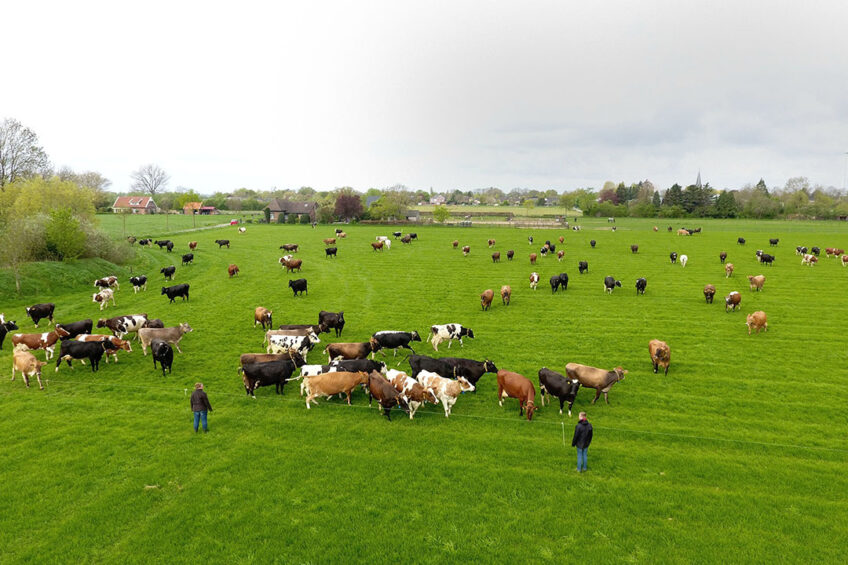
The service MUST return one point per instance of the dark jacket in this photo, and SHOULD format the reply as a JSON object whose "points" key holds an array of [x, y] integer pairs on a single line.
{"points": [[582, 434], [199, 401]]}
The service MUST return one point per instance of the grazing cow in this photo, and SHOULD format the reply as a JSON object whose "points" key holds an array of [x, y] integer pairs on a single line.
{"points": [[329, 241], [583, 267], [634, 249], [709, 293], [395, 339], [192, 245], [552, 248], [767, 259], [91, 350], [496, 257], [330, 384], [122, 325], [40, 311], [673, 257], [756, 282], [107, 282], [740, 240], [732, 301], [561, 238], [800, 250], [384, 392], [592, 243], [139, 283], [358, 350], [591, 377], [330, 252], [757, 321], [131, 239], [302, 344], [188, 259], [163, 353], [247, 358], [728, 270], [242, 230], [331, 320], [262, 316], [835, 252], [222, 242], [533, 257], [290, 247], [46, 341], [168, 272], [382, 238], [455, 243], [172, 335], [446, 390], [232, 270], [174, 291], [534, 280], [555, 282], [28, 365], [377, 245], [560, 255], [298, 286], [293, 265], [660, 354], [277, 373], [75, 328], [154, 323], [544, 250], [641, 283], [514, 385], [506, 294], [466, 249], [167, 243], [610, 283], [773, 242], [6, 327], [684, 259], [406, 240], [119, 344], [683, 231], [722, 257], [387, 243], [554, 384], [415, 394], [472, 371], [486, 299], [815, 251], [448, 332], [419, 363], [103, 297]]}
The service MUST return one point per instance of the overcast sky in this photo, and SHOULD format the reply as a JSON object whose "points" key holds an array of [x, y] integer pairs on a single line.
{"points": [[442, 94]]}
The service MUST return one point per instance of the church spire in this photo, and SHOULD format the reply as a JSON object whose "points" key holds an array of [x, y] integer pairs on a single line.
{"points": [[698, 182]]}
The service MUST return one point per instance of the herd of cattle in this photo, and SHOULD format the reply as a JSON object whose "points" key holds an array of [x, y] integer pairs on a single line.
{"points": [[429, 380]]}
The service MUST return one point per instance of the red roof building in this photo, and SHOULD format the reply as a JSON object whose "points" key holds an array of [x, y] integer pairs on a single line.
{"points": [[134, 205]]}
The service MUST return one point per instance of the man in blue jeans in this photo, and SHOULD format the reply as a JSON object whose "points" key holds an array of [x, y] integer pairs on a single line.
{"points": [[582, 439], [199, 405]]}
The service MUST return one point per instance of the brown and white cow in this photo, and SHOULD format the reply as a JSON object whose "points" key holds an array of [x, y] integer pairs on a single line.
{"points": [[728, 270], [107, 282], [809, 259], [103, 297], [466, 249], [46, 341], [732, 301], [491, 243], [28, 365], [293, 265], [844, 260], [414, 393], [660, 354], [122, 325], [506, 294], [757, 321], [514, 385], [262, 316], [446, 390]]}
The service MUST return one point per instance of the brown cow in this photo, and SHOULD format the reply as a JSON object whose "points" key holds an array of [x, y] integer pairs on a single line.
{"points": [[377, 245], [728, 270], [455, 243], [342, 234], [28, 365], [233, 270], [496, 257], [510, 254], [491, 243], [709, 293], [46, 341], [330, 241], [406, 239], [506, 294], [757, 321], [293, 265], [561, 239], [357, 350], [262, 316], [560, 255], [486, 298], [591, 377], [385, 393], [533, 257], [634, 249], [732, 300], [330, 384], [756, 282], [192, 245], [722, 257], [514, 385], [844, 260], [660, 354], [466, 250], [683, 232]]}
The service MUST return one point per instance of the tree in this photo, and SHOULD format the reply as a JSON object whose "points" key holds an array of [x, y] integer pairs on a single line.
{"points": [[655, 200], [19, 245], [441, 213], [391, 205], [608, 194], [20, 154], [189, 196], [348, 205], [93, 181], [150, 179], [726, 206], [673, 196], [64, 237]]}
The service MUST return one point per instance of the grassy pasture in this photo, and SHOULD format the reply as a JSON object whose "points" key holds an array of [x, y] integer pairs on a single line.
{"points": [[739, 454]]}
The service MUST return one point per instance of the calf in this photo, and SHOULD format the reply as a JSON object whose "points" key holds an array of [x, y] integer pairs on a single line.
{"points": [[412, 391], [583, 267], [91, 350], [496, 257], [384, 392], [188, 259], [756, 282], [466, 249], [610, 283], [6, 327], [448, 332], [331, 252], [40, 311], [298, 286], [510, 254], [28, 365], [331, 320], [277, 373], [222, 242], [506, 294], [470, 370], [262, 316], [163, 353], [395, 339], [359, 350], [728, 270], [722, 257], [122, 325], [419, 363], [76, 328], [446, 390], [732, 301], [514, 385], [660, 354], [103, 298], [486, 299], [119, 344], [641, 283], [107, 282], [46, 341], [330, 384], [757, 321], [139, 283], [171, 335], [174, 291], [709, 293], [554, 384], [232, 270], [591, 377], [534, 280], [168, 272]]}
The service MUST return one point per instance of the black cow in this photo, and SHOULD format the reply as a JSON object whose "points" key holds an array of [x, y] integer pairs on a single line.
{"points": [[168, 272], [162, 352], [815, 251], [164, 243], [560, 280], [773, 242], [418, 363], [91, 350], [673, 257], [592, 243], [583, 267], [469, 369], [139, 282], [40, 311], [357, 365], [722, 257], [552, 248], [222, 242], [175, 291], [554, 384], [413, 236], [393, 340], [610, 283], [333, 320], [510, 254], [154, 323], [188, 258], [767, 259], [740, 240], [277, 373], [397, 234], [641, 283], [331, 251], [5, 328], [76, 328], [298, 285]]}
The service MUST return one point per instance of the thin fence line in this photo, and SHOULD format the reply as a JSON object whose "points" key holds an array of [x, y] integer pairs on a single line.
{"points": [[325, 402]]}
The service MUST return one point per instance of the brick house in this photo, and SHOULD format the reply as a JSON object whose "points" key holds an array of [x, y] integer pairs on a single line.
{"points": [[135, 205], [285, 208]]}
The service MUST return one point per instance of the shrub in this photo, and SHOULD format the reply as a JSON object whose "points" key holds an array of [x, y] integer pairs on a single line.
{"points": [[305, 219], [292, 219], [281, 219]]}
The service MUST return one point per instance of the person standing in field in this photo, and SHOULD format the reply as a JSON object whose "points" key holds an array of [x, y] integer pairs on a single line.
{"points": [[200, 405], [582, 439]]}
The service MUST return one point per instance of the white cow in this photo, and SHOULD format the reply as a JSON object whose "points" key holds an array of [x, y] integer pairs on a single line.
{"points": [[683, 259], [103, 297], [242, 230], [448, 332], [446, 390], [300, 343]]}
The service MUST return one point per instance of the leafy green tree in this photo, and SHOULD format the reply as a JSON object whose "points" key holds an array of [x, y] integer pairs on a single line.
{"points": [[186, 197], [267, 212], [291, 219], [529, 203], [305, 219], [725, 206], [673, 196], [20, 245], [441, 213], [64, 237], [655, 200]]}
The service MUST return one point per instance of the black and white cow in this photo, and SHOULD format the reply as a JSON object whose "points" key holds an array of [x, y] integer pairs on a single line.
{"points": [[767, 259], [76, 328], [40, 311], [395, 339], [302, 344], [122, 325], [174, 291], [188, 259], [554, 384], [168, 272], [641, 283], [139, 283], [673, 257], [418, 363], [470, 369], [448, 332], [610, 283], [5, 328]]}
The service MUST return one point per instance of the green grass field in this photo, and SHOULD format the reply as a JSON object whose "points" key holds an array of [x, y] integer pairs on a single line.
{"points": [[520, 211], [738, 455]]}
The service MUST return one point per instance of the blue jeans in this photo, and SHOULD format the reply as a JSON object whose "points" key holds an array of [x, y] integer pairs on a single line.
{"points": [[582, 457], [200, 417]]}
